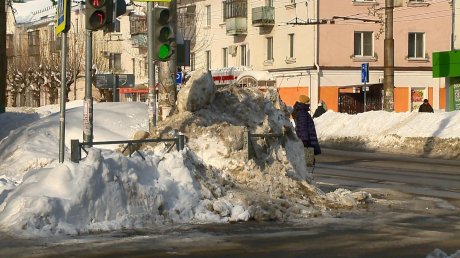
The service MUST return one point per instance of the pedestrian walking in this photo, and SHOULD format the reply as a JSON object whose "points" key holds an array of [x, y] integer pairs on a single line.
{"points": [[425, 107], [320, 110], [305, 129]]}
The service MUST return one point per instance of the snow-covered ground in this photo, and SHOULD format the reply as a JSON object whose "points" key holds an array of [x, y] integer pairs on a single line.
{"points": [[209, 181], [428, 134]]}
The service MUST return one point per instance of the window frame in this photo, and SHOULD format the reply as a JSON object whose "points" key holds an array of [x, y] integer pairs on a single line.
{"points": [[270, 46], [362, 45], [243, 55], [208, 15], [208, 60], [291, 37], [224, 57], [415, 47]]}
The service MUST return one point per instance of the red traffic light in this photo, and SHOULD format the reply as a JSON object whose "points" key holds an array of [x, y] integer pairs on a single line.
{"points": [[97, 3], [97, 19]]}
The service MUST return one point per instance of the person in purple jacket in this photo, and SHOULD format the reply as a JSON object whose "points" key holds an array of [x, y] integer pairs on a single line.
{"points": [[305, 127]]}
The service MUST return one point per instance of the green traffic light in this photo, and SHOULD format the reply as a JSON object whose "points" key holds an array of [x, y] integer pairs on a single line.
{"points": [[163, 51]]}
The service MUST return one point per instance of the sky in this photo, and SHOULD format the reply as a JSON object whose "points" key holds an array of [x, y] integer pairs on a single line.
{"points": [[204, 183]]}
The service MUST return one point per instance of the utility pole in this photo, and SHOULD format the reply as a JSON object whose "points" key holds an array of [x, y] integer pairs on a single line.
{"points": [[151, 64], [3, 60], [167, 71], [388, 70]]}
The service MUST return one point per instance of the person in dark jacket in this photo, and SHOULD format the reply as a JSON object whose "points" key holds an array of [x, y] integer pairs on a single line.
{"points": [[425, 107], [320, 110], [304, 125]]}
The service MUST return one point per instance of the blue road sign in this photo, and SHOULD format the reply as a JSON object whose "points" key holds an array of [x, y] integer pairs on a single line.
{"points": [[178, 77], [364, 72]]}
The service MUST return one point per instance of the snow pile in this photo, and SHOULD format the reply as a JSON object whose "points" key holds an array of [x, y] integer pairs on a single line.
{"points": [[209, 181], [438, 253], [434, 134]]}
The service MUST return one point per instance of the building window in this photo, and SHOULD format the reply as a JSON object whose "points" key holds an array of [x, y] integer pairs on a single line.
{"points": [[146, 66], [117, 26], [208, 60], [52, 33], [236, 8], [291, 45], [192, 61], [270, 48], [269, 3], [208, 15], [364, 45], [225, 57], [115, 61], [416, 48], [244, 56], [9, 41], [33, 38], [223, 11]]}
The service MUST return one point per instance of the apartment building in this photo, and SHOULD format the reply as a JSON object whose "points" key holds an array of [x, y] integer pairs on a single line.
{"points": [[123, 51], [420, 28], [317, 48], [258, 43]]}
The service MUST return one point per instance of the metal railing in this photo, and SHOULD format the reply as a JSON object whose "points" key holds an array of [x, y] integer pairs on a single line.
{"points": [[76, 146], [251, 153]]}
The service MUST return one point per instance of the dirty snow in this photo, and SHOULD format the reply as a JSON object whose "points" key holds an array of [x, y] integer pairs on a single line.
{"points": [[211, 180]]}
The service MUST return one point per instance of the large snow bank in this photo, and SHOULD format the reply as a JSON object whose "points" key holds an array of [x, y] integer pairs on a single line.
{"points": [[435, 134], [209, 181]]}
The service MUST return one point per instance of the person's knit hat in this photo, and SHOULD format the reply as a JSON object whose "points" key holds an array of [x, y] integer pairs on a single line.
{"points": [[304, 99]]}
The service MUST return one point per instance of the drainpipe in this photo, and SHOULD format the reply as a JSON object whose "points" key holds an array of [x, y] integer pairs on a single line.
{"points": [[316, 54]]}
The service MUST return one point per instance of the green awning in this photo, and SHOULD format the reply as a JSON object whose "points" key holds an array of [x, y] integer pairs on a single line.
{"points": [[446, 64]]}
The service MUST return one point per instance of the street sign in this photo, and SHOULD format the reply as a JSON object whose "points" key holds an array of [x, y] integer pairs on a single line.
{"points": [[178, 77], [63, 16], [364, 72], [108, 81]]}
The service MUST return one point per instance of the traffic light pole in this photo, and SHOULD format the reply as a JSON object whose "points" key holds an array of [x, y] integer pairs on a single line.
{"points": [[152, 94], [88, 105], [63, 96], [3, 59]]}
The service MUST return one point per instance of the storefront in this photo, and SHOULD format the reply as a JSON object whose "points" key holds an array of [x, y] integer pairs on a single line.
{"points": [[447, 64]]}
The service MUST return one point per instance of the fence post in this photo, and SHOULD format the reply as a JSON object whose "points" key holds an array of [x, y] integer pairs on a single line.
{"points": [[247, 143], [75, 151], [180, 142]]}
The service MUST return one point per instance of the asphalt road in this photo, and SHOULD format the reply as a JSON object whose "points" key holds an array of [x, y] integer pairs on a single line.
{"points": [[417, 210], [413, 175]]}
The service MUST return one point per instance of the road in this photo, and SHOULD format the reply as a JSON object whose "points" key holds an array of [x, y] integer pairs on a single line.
{"points": [[417, 209], [408, 174]]}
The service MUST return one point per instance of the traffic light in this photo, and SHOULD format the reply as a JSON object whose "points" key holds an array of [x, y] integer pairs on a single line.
{"points": [[98, 13], [163, 34]]}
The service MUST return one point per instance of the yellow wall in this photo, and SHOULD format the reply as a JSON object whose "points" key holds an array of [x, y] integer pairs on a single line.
{"points": [[330, 95], [291, 94], [401, 98], [442, 98]]}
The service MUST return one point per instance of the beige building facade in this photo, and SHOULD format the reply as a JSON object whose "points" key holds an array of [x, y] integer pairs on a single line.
{"points": [[317, 48]]}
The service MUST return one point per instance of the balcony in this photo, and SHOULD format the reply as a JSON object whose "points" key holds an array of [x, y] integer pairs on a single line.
{"points": [[263, 16], [237, 26], [139, 40], [137, 25], [236, 17]]}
